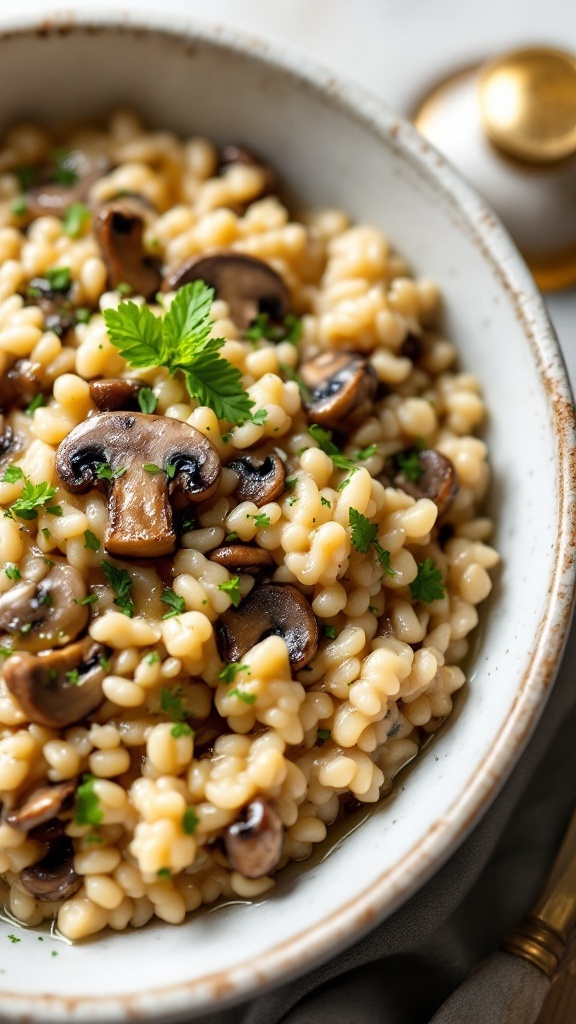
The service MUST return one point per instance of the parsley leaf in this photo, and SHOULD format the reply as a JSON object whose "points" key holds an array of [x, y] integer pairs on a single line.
{"points": [[89, 599], [59, 278], [65, 172], [181, 729], [408, 463], [230, 671], [261, 328], [248, 698], [104, 471], [19, 206], [13, 572], [34, 404], [172, 705], [164, 873], [325, 442], [190, 821], [147, 400], [12, 474], [176, 604], [121, 583], [428, 585], [322, 735], [324, 501], [180, 341], [261, 519], [74, 220], [259, 417], [330, 632], [232, 588], [364, 535], [88, 810], [91, 541], [33, 497]]}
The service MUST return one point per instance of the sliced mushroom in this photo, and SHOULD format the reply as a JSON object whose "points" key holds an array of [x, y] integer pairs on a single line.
{"points": [[57, 688], [261, 477], [412, 347], [242, 558], [342, 387], [255, 841], [248, 285], [10, 442], [21, 384], [44, 804], [119, 230], [54, 197], [272, 609], [53, 878], [113, 394], [141, 521], [55, 304], [438, 480], [46, 614]]}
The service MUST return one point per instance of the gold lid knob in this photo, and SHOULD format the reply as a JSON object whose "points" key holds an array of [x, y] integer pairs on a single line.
{"points": [[528, 104]]}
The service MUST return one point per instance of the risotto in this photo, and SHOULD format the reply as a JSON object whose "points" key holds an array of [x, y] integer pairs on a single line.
{"points": [[241, 544]]}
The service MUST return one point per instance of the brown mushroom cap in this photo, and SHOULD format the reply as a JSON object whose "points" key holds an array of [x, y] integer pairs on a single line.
{"points": [[53, 877], [141, 522], [45, 614], [255, 841], [119, 230], [242, 558], [114, 394], [272, 609], [54, 198], [341, 384], [23, 382], [438, 480], [47, 688], [247, 284], [261, 477], [55, 303], [42, 805]]}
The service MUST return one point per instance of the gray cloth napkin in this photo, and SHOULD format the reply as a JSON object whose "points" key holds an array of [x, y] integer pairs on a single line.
{"points": [[403, 971]]}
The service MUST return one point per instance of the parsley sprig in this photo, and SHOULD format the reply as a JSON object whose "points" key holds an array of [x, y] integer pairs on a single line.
{"points": [[176, 604], [121, 583], [32, 497], [364, 535], [326, 444], [180, 341], [428, 585]]}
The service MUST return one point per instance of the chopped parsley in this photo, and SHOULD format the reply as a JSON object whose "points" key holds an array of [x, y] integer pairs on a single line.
{"points": [[104, 471], [428, 585], [65, 172], [121, 583], [123, 288], [190, 821], [88, 810], [13, 572], [408, 463], [152, 658], [104, 663], [32, 497], [180, 341], [82, 315], [330, 632], [261, 519], [364, 535], [322, 735], [231, 536], [259, 417], [290, 483], [176, 604], [5, 652], [91, 541], [90, 599], [262, 329], [59, 278], [181, 729], [74, 219], [324, 440], [147, 400], [248, 698], [173, 705], [19, 206], [232, 588], [13, 938], [230, 671], [73, 676], [164, 873], [324, 501], [151, 467], [36, 403]]}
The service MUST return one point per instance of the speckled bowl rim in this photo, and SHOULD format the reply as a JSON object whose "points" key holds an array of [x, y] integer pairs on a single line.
{"points": [[350, 921]]}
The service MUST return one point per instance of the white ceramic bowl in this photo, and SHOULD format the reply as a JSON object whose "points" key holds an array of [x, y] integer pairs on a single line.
{"points": [[335, 146]]}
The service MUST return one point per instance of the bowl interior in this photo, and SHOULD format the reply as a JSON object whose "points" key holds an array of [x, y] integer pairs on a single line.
{"points": [[336, 150]]}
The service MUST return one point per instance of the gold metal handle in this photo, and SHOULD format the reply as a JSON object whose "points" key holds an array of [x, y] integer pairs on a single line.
{"points": [[541, 936]]}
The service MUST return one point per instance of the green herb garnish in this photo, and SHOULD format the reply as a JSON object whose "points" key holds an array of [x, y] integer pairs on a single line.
{"points": [[176, 604], [232, 588], [248, 698], [147, 400], [13, 572], [104, 471], [228, 674], [74, 219], [91, 541], [19, 206], [59, 278], [164, 873], [33, 497], [261, 519], [181, 342], [181, 729], [90, 599], [88, 810], [322, 735], [173, 705], [36, 403], [190, 821], [121, 583], [364, 535], [262, 329], [428, 585]]}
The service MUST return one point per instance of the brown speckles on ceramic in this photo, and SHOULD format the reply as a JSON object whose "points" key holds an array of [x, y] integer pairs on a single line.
{"points": [[335, 146]]}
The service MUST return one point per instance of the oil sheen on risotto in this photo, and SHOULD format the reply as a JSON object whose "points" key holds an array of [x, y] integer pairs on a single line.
{"points": [[241, 548]]}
